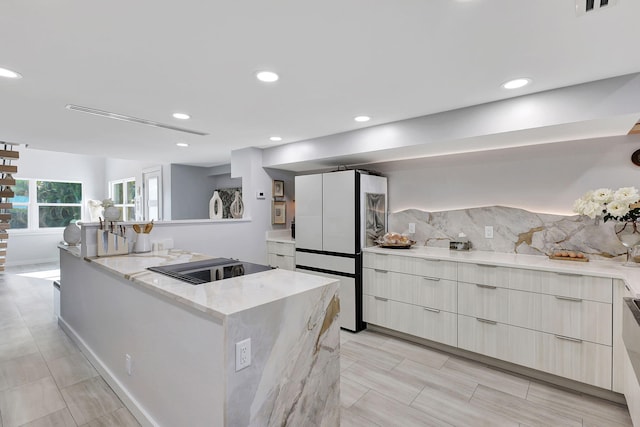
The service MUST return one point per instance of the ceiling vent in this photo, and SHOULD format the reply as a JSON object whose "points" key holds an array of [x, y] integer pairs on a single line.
{"points": [[130, 119], [584, 7]]}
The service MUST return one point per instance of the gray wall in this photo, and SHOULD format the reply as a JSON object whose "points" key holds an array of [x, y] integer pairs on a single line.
{"points": [[191, 189]]}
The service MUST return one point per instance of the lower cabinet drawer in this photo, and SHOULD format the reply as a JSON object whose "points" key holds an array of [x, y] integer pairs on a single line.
{"points": [[282, 261], [431, 292], [493, 339], [576, 318], [483, 301], [567, 357], [432, 324], [577, 360], [288, 249]]}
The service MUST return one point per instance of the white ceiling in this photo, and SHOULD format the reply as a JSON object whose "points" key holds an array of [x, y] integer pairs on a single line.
{"points": [[390, 59]]}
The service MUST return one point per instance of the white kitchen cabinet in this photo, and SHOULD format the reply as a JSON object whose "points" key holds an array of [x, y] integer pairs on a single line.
{"points": [[620, 291], [281, 254], [424, 322], [576, 318], [411, 295], [412, 265], [429, 292], [559, 323]]}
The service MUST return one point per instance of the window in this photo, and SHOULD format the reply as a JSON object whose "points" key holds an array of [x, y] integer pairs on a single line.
{"points": [[55, 204], [20, 210], [123, 194]]}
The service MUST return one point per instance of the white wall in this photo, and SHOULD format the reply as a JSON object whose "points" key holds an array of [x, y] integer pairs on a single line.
{"points": [[546, 178], [41, 246]]}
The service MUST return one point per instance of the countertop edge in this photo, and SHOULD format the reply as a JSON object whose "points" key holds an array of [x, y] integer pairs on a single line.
{"points": [[609, 269]]}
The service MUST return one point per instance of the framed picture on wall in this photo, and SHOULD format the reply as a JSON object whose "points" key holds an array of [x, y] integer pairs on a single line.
{"points": [[278, 188], [279, 215]]}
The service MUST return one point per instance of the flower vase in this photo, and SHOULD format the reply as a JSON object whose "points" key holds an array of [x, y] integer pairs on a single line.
{"points": [[628, 232], [72, 234], [215, 206], [237, 206], [111, 214]]}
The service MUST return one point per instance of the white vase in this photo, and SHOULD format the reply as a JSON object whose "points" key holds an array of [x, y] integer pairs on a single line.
{"points": [[111, 213], [71, 234], [215, 206], [237, 206]]}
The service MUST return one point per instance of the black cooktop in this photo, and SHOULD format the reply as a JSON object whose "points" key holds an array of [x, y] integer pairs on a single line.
{"points": [[209, 270]]}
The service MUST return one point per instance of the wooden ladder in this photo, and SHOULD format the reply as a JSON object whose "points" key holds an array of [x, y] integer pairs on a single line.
{"points": [[7, 181]]}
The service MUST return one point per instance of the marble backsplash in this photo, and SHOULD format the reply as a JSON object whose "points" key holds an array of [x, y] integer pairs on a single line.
{"points": [[514, 231]]}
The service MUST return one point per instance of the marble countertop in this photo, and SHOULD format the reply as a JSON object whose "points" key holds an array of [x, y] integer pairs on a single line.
{"points": [[613, 269], [281, 236], [219, 299], [282, 239]]}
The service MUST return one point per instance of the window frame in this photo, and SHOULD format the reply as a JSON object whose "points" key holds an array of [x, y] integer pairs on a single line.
{"points": [[33, 206], [126, 203]]}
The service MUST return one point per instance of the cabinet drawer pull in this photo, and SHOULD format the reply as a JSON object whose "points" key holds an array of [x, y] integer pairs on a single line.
{"points": [[569, 274], [568, 298], [562, 337], [432, 260], [490, 322], [377, 270], [485, 286], [381, 299], [487, 265], [433, 310], [627, 287], [432, 279], [280, 255]]}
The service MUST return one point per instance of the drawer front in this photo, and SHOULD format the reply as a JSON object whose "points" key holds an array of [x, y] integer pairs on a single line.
{"points": [[576, 318], [411, 265], [483, 274], [432, 324], [282, 261], [577, 360], [578, 286], [426, 291], [484, 301], [483, 337], [288, 249]]}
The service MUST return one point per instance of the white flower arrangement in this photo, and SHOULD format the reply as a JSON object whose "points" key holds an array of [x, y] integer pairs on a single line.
{"points": [[106, 203], [620, 205]]}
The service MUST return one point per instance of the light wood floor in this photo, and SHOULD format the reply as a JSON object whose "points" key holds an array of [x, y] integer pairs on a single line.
{"points": [[46, 381]]}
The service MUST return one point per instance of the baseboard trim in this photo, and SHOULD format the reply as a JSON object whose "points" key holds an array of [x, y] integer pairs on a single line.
{"points": [[129, 401], [524, 372]]}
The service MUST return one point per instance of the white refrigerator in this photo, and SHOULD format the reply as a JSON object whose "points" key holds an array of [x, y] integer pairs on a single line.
{"points": [[338, 214]]}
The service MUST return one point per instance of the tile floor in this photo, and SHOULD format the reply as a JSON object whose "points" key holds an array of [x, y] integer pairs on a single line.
{"points": [[46, 381]]}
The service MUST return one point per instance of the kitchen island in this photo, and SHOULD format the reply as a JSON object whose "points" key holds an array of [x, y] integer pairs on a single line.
{"points": [[168, 348]]}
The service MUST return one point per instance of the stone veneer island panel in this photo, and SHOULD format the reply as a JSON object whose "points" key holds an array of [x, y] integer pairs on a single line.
{"points": [[514, 230], [182, 341]]}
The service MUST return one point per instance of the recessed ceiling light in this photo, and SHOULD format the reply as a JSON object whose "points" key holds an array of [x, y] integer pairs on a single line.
{"points": [[362, 118], [181, 116], [275, 138], [267, 76], [4, 72], [516, 83], [182, 144]]}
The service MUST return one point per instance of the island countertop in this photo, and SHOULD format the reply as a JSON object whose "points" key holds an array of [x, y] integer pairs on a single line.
{"points": [[219, 299], [612, 269]]}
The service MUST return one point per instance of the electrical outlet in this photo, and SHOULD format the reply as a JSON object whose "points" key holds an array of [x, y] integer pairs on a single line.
{"points": [[243, 354], [488, 232], [412, 227], [260, 195], [128, 364]]}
